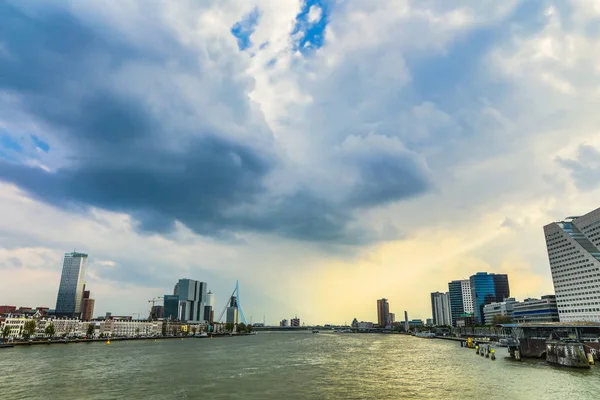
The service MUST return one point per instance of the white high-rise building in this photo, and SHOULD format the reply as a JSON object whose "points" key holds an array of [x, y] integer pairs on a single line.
{"points": [[465, 286], [210, 299], [440, 308], [574, 255], [72, 280]]}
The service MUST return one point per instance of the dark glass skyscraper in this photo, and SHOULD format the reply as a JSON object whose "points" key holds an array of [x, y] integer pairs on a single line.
{"points": [[457, 306], [70, 291], [485, 289]]}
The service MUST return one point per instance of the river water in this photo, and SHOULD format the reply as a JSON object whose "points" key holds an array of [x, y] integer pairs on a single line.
{"points": [[283, 366]]}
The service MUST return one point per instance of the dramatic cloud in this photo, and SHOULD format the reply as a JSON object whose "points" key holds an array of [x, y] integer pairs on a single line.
{"points": [[295, 145]]}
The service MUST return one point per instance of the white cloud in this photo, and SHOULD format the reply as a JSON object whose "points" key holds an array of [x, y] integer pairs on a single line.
{"points": [[314, 14]]}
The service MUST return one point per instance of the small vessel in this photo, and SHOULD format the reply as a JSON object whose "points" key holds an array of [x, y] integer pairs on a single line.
{"points": [[315, 331]]}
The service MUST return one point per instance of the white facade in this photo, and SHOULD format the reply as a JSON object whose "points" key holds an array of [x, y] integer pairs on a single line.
{"points": [[15, 324], [440, 308], [465, 285], [210, 299], [574, 256], [130, 328]]}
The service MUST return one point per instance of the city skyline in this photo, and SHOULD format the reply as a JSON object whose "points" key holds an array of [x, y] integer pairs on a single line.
{"points": [[293, 150]]}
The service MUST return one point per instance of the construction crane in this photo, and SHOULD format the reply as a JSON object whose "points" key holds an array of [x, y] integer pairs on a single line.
{"points": [[154, 301]]}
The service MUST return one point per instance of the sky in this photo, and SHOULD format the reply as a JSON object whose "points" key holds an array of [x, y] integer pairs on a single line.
{"points": [[325, 153]]}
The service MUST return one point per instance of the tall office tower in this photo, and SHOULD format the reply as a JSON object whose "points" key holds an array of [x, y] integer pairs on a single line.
{"points": [[383, 311], [574, 255], [171, 306], [192, 299], [457, 302], [70, 291], [87, 307], [485, 289], [440, 308], [406, 325], [232, 311], [295, 321]]}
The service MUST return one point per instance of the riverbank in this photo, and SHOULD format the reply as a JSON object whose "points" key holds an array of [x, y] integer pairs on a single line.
{"points": [[115, 339]]}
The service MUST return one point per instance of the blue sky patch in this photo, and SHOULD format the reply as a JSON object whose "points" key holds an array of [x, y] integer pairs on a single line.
{"points": [[8, 142], [243, 29], [39, 143], [310, 25]]}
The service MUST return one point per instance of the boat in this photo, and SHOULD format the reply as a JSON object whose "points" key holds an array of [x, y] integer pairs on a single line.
{"points": [[315, 331]]}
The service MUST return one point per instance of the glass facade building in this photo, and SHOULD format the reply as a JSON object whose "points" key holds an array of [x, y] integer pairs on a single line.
{"points": [[70, 291], [457, 306], [486, 289], [188, 301], [171, 306], [461, 301], [574, 255]]}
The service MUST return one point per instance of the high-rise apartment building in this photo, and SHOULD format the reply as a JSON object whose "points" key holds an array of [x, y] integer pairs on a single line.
{"points": [[440, 308], [485, 289], [70, 291], [295, 321], [383, 312], [574, 254]]}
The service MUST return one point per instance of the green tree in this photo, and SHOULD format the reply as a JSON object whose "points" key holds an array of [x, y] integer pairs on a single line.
{"points": [[137, 331], [502, 319], [50, 330], [249, 327], [29, 328], [194, 330], [91, 329], [241, 327], [6, 331], [229, 327]]}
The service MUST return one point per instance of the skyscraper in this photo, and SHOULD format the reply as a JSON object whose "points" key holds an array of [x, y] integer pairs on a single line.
{"points": [[171, 306], [192, 298], [460, 299], [440, 308], [87, 307], [232, 316], [383, 311], [70, 291], [485, 289], [574, 255]]}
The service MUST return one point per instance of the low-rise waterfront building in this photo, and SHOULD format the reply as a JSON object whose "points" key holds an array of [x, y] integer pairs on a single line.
{"points": [[284, 322], [465, 319], [414, 323], [536, 310], [130, 328], [363, 325], [498, 309]]}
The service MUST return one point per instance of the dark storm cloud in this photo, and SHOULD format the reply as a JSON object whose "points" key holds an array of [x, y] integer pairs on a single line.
{"points": [[126, 156]]}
